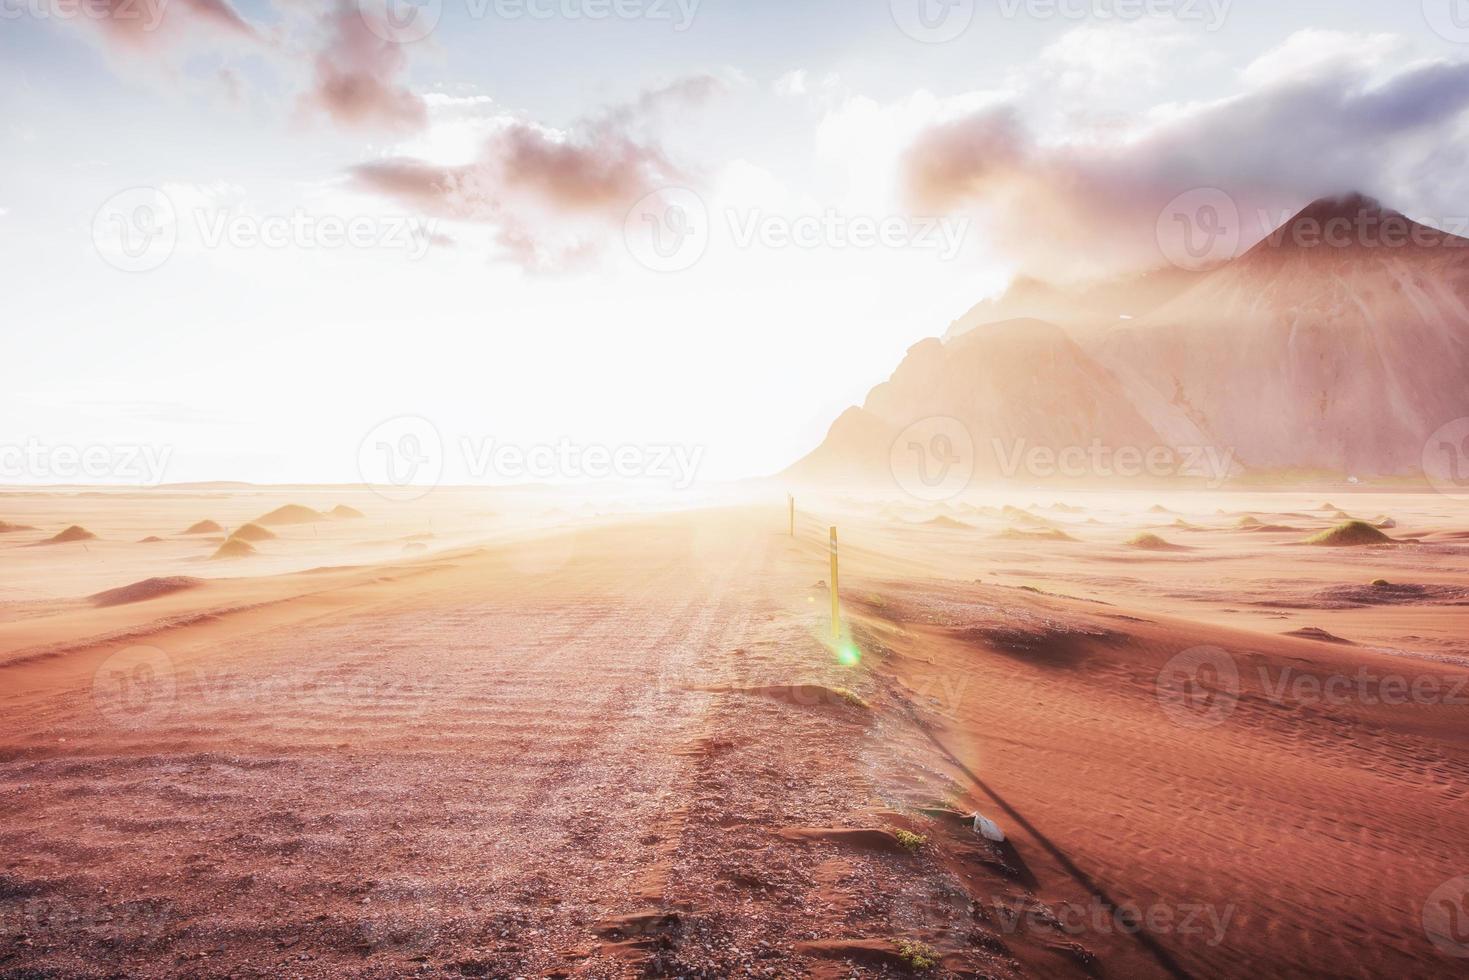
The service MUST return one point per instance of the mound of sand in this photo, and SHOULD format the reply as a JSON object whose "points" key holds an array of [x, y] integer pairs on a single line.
{"points": [[1352, 534], [1316, 633], [74, 533], [6, 527], [1045, 534], [1159, 509], [151, 539], [1018, 516], [233, 548], [413, 547], [205, 527], [1151, 542], [291, 514], [344, 513], [1247, 521], [150, 588], [1067, 508], [1328, 506], [253, 532], [1386, 523], [948, 522]]}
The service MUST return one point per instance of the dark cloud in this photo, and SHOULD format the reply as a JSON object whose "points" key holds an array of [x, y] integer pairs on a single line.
{"points": [[1092, 208]]}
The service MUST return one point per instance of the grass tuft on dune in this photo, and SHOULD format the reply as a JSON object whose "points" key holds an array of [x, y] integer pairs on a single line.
{"points": [[1352, 534]]}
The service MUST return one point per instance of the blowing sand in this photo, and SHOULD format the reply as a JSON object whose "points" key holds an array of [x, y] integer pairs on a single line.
{"points": [[623, 746]]}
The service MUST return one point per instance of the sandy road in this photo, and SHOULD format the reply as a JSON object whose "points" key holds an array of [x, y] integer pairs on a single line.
{"points": [[537, 760], [487, 764]]}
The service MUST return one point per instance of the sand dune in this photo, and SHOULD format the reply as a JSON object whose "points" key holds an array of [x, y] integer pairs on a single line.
{"points": [[1042, 534], [233, 548], [6, 527], [1152, 542], [204, 527], [252, 533], [290, 514], [73, 533], [147, 589], [343, 512]]}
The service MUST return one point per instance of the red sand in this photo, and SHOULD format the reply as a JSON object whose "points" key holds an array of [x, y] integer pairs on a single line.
{"points": [[623, 748]]}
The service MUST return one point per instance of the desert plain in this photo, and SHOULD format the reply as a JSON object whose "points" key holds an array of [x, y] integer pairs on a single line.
{"points": [[516, 733]]}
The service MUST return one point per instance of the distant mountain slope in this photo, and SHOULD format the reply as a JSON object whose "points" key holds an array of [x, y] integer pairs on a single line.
{"points": [[1337, 344], [1304, 352], [1014, 385]]}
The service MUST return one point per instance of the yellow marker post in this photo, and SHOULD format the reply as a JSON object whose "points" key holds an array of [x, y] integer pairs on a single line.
{"points": [[836, 602]]}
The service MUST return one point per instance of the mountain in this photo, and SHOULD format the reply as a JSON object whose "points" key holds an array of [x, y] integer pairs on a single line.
{"points": [[1078, 306], [1337, 344]]}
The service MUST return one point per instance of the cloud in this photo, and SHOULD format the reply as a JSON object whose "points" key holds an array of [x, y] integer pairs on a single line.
{"points": [[139, 25], [550, 196], [358, 75], [1309, 123]]}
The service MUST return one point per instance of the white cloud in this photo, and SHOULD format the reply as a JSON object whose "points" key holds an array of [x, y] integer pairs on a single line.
{"points": [[1310, 53]]}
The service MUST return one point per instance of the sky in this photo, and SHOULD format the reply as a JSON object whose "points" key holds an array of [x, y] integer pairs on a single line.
{"points": [[283, 241]]}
